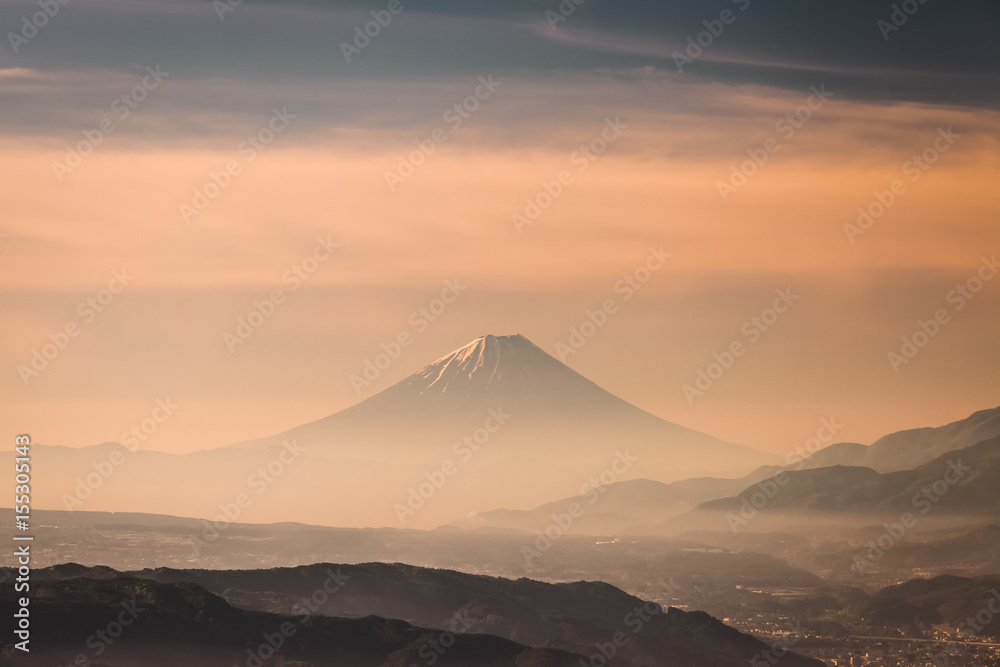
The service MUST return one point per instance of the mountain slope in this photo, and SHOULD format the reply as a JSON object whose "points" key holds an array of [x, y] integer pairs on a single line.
{"points": [[166, 625], [553, 411], [571, 617], [493, 370], [917, 605], [628, 506], [440, 445], [908, 449], [964, 482], [631, 506]]}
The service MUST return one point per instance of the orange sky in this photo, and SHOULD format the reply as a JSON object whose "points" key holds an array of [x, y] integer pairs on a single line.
{"points": [[657, 185], [530, 95]]}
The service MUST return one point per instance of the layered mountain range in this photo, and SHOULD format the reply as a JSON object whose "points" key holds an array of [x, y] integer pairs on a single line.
{"points": [[498, 422], [327, 614], [962, 481]]}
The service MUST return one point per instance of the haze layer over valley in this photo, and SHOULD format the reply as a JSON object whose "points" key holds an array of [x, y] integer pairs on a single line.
{"points": [[496, 423]]}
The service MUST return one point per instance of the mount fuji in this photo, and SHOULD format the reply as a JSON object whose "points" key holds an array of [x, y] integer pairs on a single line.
{"points": [[554, 414], [496, 423]]}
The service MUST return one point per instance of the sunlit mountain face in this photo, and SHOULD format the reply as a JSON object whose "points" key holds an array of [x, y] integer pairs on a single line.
{"points": [[496, 423], [534, 405], [247, 182]]}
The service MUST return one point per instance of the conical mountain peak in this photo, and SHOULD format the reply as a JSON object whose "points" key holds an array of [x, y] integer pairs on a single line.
{"points": [[548, 413], [493, 368]]}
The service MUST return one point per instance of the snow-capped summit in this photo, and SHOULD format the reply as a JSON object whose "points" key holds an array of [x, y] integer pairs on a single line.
{"points": [[507, 370], [547, 410], [487, 363]]}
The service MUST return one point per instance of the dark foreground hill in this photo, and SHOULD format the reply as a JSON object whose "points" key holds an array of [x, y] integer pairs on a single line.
{"points": [[124, 621], [583, 618]]}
